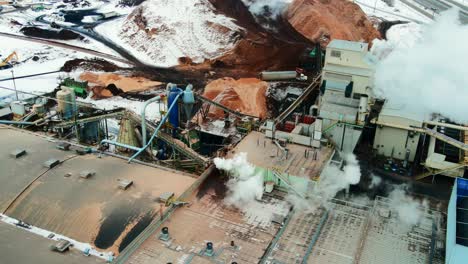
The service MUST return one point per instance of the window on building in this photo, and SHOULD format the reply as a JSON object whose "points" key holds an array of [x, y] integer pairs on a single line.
{"points": [[336, 53]]}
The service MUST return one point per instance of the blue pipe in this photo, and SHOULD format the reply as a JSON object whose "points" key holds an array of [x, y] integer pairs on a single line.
{"points": [[16, 122], [120, 144], [163, 120]]}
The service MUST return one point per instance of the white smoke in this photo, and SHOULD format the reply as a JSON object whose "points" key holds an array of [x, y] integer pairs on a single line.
{"points": [[410, 211], [333, 180], [431, 76], [375, 181], [245, 190], [273, 8], [245, 186]]}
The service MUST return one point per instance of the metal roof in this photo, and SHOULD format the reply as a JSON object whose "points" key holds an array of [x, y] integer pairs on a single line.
{"points": [[457, 233], [347, 70], [21, 246], [347, 45], [92, 210], [400, 111]]}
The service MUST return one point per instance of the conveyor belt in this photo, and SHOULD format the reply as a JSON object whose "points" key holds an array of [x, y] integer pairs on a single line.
{"points": [[234, 112], [314, 85]]}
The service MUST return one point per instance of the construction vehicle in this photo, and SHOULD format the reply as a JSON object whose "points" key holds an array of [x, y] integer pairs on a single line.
{"points": [[80, 88], [7, 63]]}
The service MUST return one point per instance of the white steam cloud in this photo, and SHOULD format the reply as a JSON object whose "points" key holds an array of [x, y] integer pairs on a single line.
{"points": [[431, 76], [375, 181], [263, 7], [333, 180], [410, 211], [245, 190], [245, 187]]}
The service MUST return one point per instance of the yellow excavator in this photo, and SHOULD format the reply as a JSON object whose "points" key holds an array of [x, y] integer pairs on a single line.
{"points": [[7, 63]]}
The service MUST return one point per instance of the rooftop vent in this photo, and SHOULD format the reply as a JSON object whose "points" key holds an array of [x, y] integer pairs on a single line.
{"points": [[61, 246], [51, 163], [86, 174], [18, 153], [64, 146], [124, 184], [164, 235], [209, 251]]}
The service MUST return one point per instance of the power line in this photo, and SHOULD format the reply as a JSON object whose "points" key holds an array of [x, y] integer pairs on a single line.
{"points": [[27, 76], [47, 97]]}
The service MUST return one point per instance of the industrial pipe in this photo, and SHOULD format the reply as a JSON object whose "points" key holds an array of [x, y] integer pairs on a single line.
{"points": [[163, 120], [8, 122], [465, 128], [119, 144], [143, 119]]}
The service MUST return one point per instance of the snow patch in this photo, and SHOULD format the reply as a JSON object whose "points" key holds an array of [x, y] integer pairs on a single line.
{"points": [[161, 32], [56, 237], [271, 8]]}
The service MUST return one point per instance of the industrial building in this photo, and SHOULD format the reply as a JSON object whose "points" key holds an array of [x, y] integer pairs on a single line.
{"points": [[396, 142], [148, 191], [457, 219]]}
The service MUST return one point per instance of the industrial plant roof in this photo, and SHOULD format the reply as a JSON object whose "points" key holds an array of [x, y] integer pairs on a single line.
{"points": [[207, 219], [347, 45], [91, 210], [21, 246], [264, 153]]}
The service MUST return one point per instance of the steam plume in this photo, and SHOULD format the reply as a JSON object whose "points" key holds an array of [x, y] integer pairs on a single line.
{"points": [[431, 76]]}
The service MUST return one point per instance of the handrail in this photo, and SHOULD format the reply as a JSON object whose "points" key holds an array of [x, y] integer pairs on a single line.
{"points": [[163, 120]]}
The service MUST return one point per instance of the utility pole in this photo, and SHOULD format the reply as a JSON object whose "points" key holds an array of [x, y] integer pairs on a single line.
{"points": [[14, 84]]}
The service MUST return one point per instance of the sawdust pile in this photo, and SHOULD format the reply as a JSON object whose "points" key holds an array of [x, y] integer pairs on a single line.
{"points": [[244, 95], [98, 83], [324, 20]]}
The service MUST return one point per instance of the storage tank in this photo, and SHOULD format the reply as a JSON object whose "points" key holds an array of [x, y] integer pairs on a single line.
{"points": [[189, 100], [174, 113], [39, 109], [90, 132], [65, 105], [278, 75], [18, 108]]}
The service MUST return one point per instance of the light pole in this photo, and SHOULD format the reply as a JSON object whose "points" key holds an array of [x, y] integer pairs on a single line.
{"points": [[14, 84]]}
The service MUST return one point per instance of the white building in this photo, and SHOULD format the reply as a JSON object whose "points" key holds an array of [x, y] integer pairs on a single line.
{"points": [[347, 79], [391, 141], [349, 64]]}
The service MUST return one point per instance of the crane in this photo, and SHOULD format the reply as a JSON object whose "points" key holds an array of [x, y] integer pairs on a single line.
{"points": [[5, 64]]}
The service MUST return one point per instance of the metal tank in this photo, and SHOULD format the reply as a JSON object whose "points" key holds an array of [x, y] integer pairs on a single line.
{"points": [[278, 75], [189, 100], [66, 103], [174, 113]]}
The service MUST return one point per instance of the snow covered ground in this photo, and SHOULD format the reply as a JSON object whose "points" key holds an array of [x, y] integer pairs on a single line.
{"points": [[48, 59], [152, 111], [400, 11], [160, 32]]}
